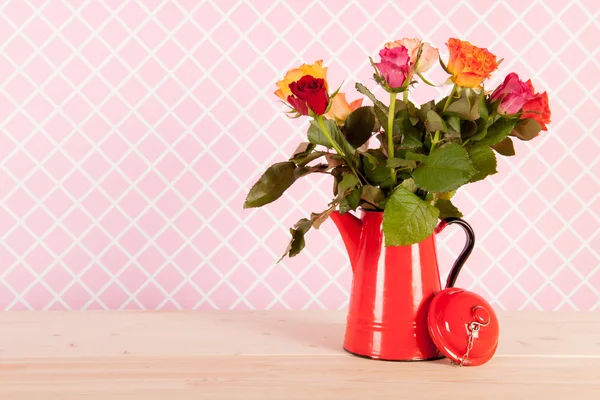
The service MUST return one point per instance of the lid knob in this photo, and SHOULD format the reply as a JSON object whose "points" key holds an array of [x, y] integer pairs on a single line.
{"points": [[481, 315]]}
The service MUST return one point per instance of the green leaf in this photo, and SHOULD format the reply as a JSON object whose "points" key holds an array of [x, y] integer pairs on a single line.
{"points": [[465, 107], [527, 129], [303, 159], [505, 147], [409, 184], [382, 118], [481, 131], [400, 105], [498, 131], [372, 195], [474, 112], [454, 122], [445, 169], [317, 136], [468, 128], [399, 162], [375, 168], [350, 202], [424, 109], [460, 107], [349, 180], [271, 185], [359, 126], [483, 108], [447, 209], [319, 218], [411, 137], [407, 219], [363, 89], [334, 160], [297, 242], [484, 161], [435, 122], [303, 148], [301, 171], [409, 155]]}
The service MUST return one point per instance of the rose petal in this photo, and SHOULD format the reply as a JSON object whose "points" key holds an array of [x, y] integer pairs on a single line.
{"points": [[392, 73], [318, 102], [429, 57], [299, 105], [397, 55]]}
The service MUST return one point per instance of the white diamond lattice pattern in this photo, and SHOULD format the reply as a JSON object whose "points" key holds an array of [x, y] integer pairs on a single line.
{"points": [[132, 130]]}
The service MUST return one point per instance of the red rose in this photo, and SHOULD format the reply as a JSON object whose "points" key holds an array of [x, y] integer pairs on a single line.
{"points": [[538, 108], [309, 92]]}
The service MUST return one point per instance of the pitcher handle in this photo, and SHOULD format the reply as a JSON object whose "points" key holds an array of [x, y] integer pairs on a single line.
{"points": [[466, 251]]}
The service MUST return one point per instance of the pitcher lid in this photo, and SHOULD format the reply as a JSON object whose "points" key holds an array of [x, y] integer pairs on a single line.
{"points": [[463, 326]]}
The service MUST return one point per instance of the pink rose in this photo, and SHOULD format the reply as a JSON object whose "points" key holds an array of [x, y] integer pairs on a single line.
{"points": [[394, 66], [513, 94], [429, 54]]}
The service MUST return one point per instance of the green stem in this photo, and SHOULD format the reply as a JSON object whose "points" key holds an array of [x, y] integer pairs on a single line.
{"points": [[449, 100], [435, 141], [405, 96], [319, 119], [391, 116], [321, 123], [436, 137]]}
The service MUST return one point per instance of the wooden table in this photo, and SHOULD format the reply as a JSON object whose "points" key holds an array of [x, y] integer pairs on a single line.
{"points": [[277, 355]]}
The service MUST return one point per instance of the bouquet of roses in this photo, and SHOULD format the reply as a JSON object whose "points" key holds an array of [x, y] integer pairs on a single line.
{"points": [[425, 153]]}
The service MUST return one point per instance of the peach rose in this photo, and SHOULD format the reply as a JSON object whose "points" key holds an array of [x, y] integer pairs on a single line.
{"points": [[340, 109], [428, 56], [468, 64]]}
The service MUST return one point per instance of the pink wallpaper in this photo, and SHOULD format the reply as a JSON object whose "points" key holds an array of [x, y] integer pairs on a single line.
{"points": [[131, 131]]}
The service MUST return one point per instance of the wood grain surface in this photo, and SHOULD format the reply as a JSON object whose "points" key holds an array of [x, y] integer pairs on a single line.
{"points": [[277, 355]]}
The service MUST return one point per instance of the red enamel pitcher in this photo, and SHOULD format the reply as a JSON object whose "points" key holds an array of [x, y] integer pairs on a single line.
{"points": [[392, 289]]}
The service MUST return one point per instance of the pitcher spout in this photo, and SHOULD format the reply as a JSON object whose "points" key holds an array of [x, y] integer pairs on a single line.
{"points": [[350, 228]]}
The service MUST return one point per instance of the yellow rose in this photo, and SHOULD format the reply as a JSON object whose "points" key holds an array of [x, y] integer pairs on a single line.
{"points": [[340, 109], [315, 70]]}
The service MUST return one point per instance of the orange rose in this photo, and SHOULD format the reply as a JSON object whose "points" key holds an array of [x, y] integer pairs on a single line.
{"points": [[468, 64], [315, 70], [340, 109]]}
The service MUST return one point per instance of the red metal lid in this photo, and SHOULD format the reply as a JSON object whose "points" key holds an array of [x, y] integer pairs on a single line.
{"points": [[456, 315]]}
